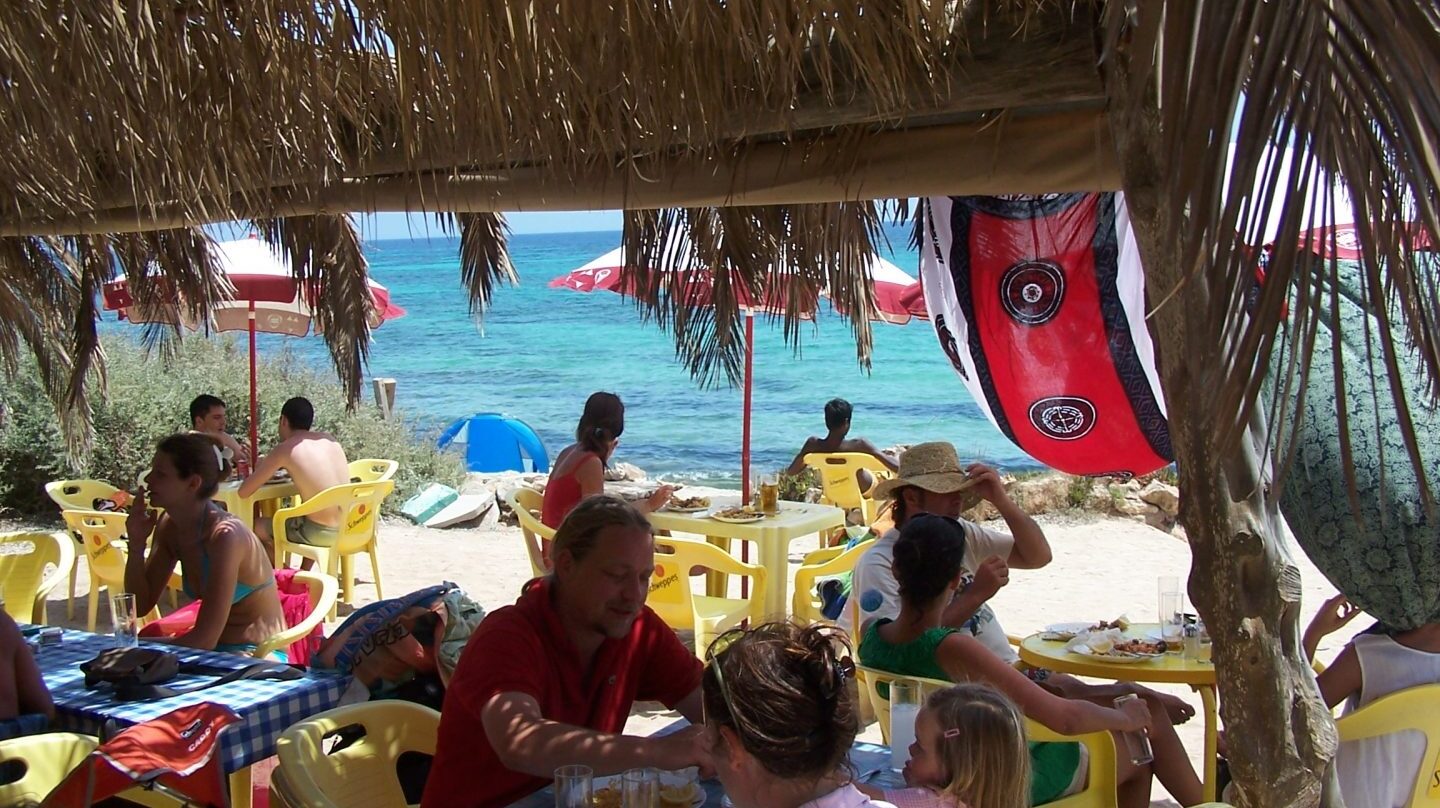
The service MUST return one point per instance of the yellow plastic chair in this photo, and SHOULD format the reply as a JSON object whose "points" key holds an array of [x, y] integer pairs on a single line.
{"points": [[674, 601], [1414, 708], [324, 589], [826, 563], [23, 561], [282, 794], [838, 486], [1100, 788], [362, 774], [46, 760], [77, 495], [360, 504], [102, 534], [526, 503], [372, 470]]}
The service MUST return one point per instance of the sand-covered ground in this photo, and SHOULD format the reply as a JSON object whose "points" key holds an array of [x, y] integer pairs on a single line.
{"points": [[1103, 568]]}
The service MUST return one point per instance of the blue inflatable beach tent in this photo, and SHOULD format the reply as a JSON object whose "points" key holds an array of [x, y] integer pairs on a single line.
{"points": [[492, 441]]}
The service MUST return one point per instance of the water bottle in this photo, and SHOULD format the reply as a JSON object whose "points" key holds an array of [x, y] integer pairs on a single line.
{"points": [[1138, 743]]}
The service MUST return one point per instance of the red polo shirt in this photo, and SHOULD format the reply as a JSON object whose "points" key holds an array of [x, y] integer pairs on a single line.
{"points": [[524, 649]]}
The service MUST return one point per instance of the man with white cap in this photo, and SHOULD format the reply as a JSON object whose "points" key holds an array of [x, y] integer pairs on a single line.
{"points": [[931, 480]]}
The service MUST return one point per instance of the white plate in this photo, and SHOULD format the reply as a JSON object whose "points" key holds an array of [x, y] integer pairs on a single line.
{"points": [[1118, 659], [697, 800], [678, 509], [737, 520], [1065, 631]]}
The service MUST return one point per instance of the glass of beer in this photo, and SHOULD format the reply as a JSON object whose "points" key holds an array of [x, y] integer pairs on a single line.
{"points": [[769, 494]]}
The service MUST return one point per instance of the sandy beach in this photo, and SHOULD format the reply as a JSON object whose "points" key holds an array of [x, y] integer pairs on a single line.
{"points": [[1103, 568]]}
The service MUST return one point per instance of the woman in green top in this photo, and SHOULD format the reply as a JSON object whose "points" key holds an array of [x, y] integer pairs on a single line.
{"points": [[927, 565]]}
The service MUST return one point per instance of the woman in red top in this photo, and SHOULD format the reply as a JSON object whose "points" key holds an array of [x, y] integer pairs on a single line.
{"points": [[579, 469]]}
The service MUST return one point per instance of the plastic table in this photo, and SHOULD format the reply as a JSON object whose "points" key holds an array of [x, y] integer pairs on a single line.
{"points": [[265, 707], [244, 507], [1169, 669], [772, 535]]}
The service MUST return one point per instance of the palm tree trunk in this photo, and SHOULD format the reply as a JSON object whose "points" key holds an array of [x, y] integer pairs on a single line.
{"points": [[1279, 734]]}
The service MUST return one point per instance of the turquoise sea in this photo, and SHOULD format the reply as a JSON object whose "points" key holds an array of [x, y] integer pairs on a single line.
{"points": [[540, 352]]}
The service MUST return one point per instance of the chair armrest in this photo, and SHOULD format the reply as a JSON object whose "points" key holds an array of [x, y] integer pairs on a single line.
{"points": [[329, 591]]}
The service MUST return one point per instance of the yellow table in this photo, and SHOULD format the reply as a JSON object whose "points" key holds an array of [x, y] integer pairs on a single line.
{"points": [[244, 507], [772, 534], [1169, 669]]}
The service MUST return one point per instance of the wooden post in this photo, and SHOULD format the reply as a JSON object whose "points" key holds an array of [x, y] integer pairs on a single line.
{"points": [[384, 396]]}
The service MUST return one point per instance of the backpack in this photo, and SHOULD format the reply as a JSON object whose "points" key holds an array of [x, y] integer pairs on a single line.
{"points": [[387, 643]]}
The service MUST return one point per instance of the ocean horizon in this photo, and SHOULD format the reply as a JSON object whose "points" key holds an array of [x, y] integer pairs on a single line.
{"points": [[539, 352]]}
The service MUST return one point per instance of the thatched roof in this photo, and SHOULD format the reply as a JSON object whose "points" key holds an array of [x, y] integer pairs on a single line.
{"points": [[155, 117]]}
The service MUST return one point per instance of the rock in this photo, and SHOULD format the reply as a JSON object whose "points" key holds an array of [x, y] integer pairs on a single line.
{"points": [[1043, 494], [1125, 506], [1163, 496], [624, 472]]}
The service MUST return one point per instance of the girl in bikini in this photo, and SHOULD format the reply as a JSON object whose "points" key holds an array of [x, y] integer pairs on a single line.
{"points": [[221, 562]]}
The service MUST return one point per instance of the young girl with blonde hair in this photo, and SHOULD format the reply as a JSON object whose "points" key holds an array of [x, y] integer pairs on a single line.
{"points": [[969, 752]]}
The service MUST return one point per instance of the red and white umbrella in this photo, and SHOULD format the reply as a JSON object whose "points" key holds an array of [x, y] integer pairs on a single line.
{"points": [[898, 298], [267, 299]]}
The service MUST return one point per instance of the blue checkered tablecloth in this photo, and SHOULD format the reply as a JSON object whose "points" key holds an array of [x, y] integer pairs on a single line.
{"points": [[265, 707]]}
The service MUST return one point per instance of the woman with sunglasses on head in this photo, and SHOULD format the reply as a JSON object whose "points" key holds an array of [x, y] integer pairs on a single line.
{"points": [[579, 470], [783, 718], [927, 564]]}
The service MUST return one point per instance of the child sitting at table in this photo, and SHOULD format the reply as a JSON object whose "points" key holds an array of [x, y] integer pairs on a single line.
{"points": [[25, 705], [969, 752]]}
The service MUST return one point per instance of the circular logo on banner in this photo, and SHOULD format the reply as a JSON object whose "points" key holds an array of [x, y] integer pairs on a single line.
{"points": [[1063, 417], [1032, 291]]}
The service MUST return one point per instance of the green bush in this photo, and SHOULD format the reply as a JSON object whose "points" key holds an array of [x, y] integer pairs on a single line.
{"points": [[1078, 492], [147, 398]]}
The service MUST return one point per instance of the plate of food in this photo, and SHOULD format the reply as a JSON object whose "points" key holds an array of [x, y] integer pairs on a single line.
{"points": [[1068, 631], [677, 790], [687, 504], [1123, 650], [737, 514]]}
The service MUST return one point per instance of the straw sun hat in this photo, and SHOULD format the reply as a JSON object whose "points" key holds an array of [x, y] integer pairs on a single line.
{"points": [[931, 466]]}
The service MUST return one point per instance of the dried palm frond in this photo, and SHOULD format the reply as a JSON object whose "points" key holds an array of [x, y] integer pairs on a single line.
{"points": [[39, 297], [696, 270], [1349, 86], [484, 255], [326, 260], [116, 114]]}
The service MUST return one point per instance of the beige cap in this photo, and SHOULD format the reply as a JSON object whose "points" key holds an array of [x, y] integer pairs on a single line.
{"points": [[931, 466]]}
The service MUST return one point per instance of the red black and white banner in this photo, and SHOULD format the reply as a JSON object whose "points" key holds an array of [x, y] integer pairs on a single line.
{"points": [[1039, 302]]}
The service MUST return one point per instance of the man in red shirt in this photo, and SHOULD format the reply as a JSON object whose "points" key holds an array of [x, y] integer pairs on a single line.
{"points": [[549, 681]]}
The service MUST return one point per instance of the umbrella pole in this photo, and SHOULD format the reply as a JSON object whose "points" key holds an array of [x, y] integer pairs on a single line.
{"points": [[254, 399], [745, 438]]}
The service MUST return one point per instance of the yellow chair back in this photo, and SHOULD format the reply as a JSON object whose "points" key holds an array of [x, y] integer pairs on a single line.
{"points": [[838, 486], [372, 470], [526, 503], [324, 589], [24, 559], [362, 774], [826, 563], [102, 534], [46, 759], [676, 603], [1100, 789], [78, 495], [359, 505], [1414, 708]]}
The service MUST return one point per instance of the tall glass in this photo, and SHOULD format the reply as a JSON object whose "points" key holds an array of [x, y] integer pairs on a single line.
{"points": [[904, 707], [572, 787], [640, 788], [769, 494], [1172, 620], [1136, 743], [125, 620]]}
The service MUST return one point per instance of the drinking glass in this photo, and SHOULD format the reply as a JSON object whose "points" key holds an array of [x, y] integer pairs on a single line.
{"points": [[125, 620], [1137, 743], [1166, 583], [572, 787], [1172, 619], [904, 707], [640, 788], [769, 494]]}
